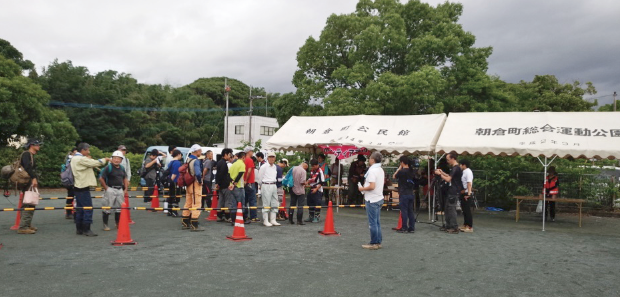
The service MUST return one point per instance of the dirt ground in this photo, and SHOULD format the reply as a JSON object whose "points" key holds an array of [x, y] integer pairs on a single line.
{"points": [[501, 258]]}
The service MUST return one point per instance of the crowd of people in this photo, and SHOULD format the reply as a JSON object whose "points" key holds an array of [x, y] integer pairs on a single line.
{"points": [[238, 178]]}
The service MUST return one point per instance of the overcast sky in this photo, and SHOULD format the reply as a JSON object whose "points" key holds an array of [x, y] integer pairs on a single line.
{"points": [[177, 42]]}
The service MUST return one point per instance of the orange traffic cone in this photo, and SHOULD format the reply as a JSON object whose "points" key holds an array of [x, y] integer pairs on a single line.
{"points": [[400, 222], [19, 213], [282, 211], [155, 199], [123, 236], [328, 229], [213, 213], [128, 211], [239, 231]]}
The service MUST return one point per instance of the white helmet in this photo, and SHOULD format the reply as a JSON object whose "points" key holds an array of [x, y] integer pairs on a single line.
{"points": [[118, 154]]}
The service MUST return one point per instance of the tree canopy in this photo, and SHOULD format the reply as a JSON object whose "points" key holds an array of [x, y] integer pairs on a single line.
{"points": [[394, 59]]}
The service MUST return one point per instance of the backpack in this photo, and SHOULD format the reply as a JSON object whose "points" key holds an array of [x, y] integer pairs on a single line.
{"points": [[185, 177], [288, 179], [66, 177], [109, 169], [19, 176]]}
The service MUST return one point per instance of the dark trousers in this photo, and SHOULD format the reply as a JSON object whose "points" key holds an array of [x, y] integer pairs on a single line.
{"points": [[466, 207], [300, 202], [450, 212], [406, 211], [172, 195], [551, 209], [150, 183], [207, 194], [314, 199], [250, 198], [69, 201], [83, 199]]}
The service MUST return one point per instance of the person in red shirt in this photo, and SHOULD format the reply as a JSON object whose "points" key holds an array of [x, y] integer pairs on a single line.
{"points": [[552, 190], [250, 185]]}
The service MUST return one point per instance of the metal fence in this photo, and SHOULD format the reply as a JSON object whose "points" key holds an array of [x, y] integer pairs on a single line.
{"points": [[497, 188]]}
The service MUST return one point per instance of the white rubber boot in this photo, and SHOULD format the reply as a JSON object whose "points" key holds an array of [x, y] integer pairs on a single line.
{"points": [[272, 219], [266, 220]]}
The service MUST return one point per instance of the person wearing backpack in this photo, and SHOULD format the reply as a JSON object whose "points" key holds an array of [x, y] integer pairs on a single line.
{"points": [[173, 168], [297, 186], [82, 166], [193, 196], [27, 161], [113, 179], [316, 182], [70, 194], [150, 172]]}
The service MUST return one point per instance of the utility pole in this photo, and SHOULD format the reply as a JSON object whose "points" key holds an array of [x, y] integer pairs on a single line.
{"points": [[251, 106], [250, 132], [266, 100], [226, 90], [615, 94]]}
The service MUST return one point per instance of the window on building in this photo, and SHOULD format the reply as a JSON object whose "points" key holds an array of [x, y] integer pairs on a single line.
{"points": [[239, 129], [268, 131]]}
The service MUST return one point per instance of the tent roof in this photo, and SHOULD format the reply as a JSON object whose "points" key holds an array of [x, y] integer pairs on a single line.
{"points": [[576, 134], [387, 134]]}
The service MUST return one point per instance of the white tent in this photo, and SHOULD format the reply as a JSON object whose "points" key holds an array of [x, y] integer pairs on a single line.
{"points": [[387, 134], [540, 134]]}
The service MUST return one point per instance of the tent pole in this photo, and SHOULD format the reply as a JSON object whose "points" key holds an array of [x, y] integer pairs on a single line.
{"points": [[428, 190], [544, 194]]}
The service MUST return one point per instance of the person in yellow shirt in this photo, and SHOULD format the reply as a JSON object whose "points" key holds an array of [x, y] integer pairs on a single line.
{"points": [[82, 166], [236, 171]]}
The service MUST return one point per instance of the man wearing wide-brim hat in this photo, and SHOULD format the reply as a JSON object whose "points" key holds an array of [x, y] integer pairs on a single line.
{"points": [[27, 161]]}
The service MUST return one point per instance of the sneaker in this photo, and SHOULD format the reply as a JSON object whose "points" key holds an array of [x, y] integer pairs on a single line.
{"points": [[106, 228], [33, 228], [442, 229], [401, 230], [255, 220], [452, 231], [378, 245], [371, 246], [315, 220], [221, 220], [411, 231], [26, 231], [468, 230], [309, 220]]}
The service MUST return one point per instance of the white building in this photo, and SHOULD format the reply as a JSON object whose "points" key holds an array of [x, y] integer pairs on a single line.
{"points": [[239, 130]]}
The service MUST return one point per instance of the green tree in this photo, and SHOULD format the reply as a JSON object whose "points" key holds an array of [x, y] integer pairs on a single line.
{"points": [[393, 58], [545, 93], [11, 53]]}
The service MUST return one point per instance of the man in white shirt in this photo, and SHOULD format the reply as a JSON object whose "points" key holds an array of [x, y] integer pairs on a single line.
{"points": [[267, 178], [373, 195], [467, 179]]}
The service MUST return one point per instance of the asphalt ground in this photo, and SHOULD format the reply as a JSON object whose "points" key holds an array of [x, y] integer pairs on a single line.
{"points": [[501, 258]]}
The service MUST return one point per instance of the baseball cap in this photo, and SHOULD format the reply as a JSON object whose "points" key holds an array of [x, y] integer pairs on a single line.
{"points": [[271, 154], [194, 148], [248, 149]]}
